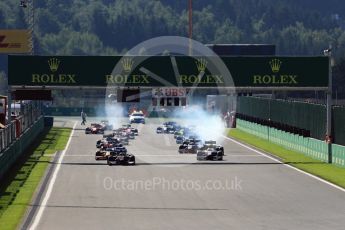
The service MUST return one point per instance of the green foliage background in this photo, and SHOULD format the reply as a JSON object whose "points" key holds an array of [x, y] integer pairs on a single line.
{"points": [[101, 27]]}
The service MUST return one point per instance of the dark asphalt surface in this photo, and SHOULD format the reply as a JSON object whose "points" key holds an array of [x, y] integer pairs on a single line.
{"points": [[167, 190]]}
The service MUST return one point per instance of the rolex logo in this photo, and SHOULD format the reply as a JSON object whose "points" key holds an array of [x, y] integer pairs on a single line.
{"points": [[275, 65], [53, 64], [127, 64], [201, 64]]}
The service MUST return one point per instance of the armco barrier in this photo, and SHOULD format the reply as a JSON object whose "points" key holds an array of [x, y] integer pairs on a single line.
{"points": [[310, 147], [9, 156]]}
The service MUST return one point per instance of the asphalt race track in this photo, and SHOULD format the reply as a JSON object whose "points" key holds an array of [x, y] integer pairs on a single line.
{"points": [[167, 190]]}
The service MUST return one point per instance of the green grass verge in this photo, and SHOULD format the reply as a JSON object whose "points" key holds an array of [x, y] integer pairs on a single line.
{"points": [[20, 184], [323, 170]]}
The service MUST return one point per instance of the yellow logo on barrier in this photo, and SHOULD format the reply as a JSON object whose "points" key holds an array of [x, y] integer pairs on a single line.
{"points": [[127, 64], [53, 64], [275, 65], [201, 64]]}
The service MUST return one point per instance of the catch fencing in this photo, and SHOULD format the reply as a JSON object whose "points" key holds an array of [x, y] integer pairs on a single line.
{"points": [[11, 154], [303, 115], [308, 146]]}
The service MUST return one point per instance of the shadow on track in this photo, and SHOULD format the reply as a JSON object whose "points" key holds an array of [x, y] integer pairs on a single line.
{"points": [[131, 208]]}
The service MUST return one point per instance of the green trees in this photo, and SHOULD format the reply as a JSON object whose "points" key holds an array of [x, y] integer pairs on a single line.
{"points": [[297, 27], [107, 27]]}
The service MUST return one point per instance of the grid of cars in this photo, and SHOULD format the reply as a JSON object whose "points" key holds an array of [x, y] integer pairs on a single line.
{"points": [[190, 143], [111, 147]]}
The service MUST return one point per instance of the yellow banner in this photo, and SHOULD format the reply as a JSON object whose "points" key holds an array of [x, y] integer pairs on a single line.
{"points": [[14, 41]]}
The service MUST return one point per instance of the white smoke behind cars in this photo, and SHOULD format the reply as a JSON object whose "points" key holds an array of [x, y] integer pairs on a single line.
{"points": [[114, 114], [207, 125]]}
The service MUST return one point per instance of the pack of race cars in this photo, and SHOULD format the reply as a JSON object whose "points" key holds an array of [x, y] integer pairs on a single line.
{"points": [[189, 143], [112, 146]]}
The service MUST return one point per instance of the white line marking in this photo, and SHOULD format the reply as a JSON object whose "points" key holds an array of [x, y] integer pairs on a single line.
{"points": [[51, 184], [167, 155], [287, 165], [177, 155], [190, 155]]}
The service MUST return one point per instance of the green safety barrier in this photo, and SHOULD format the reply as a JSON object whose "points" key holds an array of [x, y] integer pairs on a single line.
{"points": [[299, 114], [309, 146], [17, 148], [338, 152]]}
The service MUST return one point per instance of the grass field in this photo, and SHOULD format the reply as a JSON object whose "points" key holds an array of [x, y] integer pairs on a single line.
{"points": [[17, 191], [323, 170]]}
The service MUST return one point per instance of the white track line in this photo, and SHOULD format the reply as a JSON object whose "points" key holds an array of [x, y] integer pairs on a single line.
{"points": [[51, 184], [176, 155], [287, 165]]}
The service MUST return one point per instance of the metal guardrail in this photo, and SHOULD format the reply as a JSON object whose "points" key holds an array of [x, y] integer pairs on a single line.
{"points": [[12, 131]]}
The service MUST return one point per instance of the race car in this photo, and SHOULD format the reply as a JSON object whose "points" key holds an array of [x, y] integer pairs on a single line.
{"points": [[190, 146], [172, 123], [103, 154], [95, 128], [137, 117], [159, 130], [170, 129], [179, 140], [124, 140], [165, 129], [112, 143], [135, 131], [210, 154], [178, 133], [131, 135], [121, 158], [213, 144]]}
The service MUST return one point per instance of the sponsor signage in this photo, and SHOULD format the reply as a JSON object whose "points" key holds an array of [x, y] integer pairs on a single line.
{"points": [[14, 41], [169, 92], [158, 71]]}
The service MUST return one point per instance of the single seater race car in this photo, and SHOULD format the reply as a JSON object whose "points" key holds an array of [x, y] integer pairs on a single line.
{"points": [[165, 129], [95, 128], [210, 151], [213, 144], [120, 158], [179, 140], [178, 133], [135, 131], [210, 154], [103, 154], [190, 146], [159, 130]]}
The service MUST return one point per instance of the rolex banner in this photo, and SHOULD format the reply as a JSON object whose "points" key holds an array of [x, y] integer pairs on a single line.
{"points": [[168, 71]]}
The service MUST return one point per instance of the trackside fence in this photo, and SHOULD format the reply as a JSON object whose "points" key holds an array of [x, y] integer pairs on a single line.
{"points": [[308, 146], [17, 147], [19, 134], [14, 130]]}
